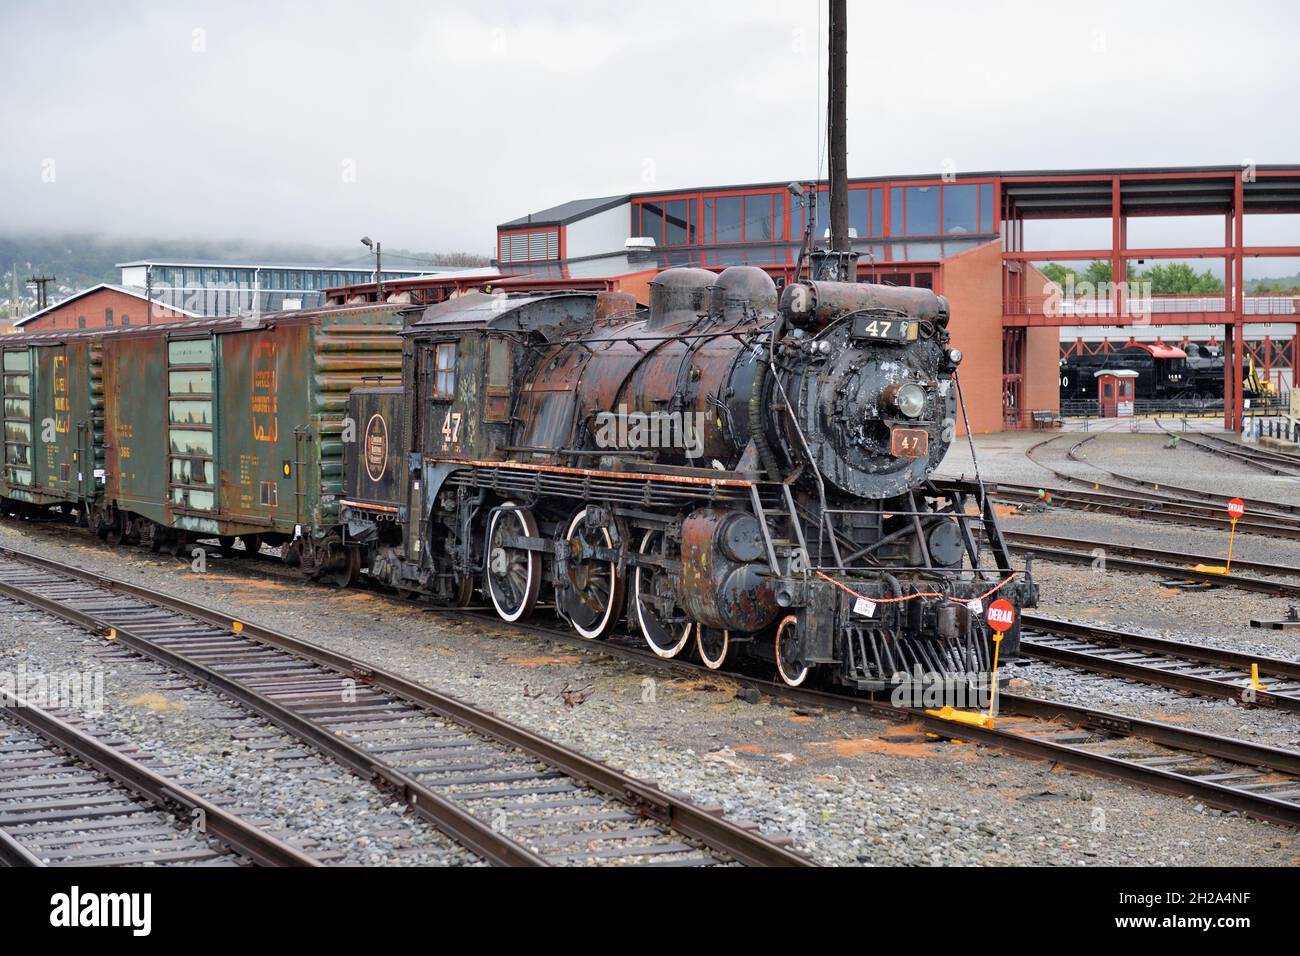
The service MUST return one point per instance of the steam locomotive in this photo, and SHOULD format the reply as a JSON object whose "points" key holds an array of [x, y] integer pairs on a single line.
{"points": [[1190, 372], [726, 470]]}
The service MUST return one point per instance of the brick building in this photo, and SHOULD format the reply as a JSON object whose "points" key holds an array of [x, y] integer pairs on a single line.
{"points": [[102, 306]]}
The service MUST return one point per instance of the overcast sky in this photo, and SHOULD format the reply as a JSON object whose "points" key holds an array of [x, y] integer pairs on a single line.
{"points": [[427, 123]]}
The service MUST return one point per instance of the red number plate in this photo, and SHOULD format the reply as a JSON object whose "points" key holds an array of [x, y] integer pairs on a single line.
{"points": [[909, 443]]}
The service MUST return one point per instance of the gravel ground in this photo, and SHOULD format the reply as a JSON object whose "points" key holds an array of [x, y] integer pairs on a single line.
{"points": [[1218, 617], [849, 788], [218, 750]]}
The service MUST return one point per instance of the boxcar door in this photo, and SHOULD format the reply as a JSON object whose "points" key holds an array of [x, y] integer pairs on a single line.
{"points": [[18, 476], [59, 402], [191, 438]]}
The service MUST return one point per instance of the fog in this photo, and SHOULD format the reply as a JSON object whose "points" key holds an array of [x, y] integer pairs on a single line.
{"points": [[426, 124]]}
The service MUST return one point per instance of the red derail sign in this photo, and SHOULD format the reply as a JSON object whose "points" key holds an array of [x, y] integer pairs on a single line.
{"points": [[1001, 615], [1236, 508]]}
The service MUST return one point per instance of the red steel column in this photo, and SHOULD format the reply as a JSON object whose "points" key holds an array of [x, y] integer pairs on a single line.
{"points": [[1239, 301], [1229, 223], [1117, 271]]}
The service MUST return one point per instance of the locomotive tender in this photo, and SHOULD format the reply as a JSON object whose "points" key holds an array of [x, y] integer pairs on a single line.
{"points": [[792, 514]]}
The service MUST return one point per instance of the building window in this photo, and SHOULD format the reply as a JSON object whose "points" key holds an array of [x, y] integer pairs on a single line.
{"points": [[81, 321], [679, 222], [108, 316], [728, 219], [527, 246], [960, 210], [988, 215], [444, 382], [758, 218], [126, 319], [922, 210]]}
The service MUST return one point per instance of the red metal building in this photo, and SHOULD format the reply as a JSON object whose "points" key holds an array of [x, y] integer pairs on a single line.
{"points": [[962, 235]]}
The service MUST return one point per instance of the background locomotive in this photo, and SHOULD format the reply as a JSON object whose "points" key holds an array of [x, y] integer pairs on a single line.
{"points": [[800, 521], [1195, 372]]}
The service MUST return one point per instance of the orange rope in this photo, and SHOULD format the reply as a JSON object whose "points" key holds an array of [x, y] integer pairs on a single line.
{"points": [[920, 594]]}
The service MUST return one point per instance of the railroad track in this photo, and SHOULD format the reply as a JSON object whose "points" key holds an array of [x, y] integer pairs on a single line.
{"points": [[1187, 507], [1178, 665], [68, 798], [1224, 772], [1261, 459], [504, 793], [1167, 511], [1171, 565], [1178, 492]]}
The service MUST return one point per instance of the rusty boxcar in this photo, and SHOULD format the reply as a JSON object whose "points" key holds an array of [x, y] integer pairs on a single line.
{"points": [[229, 428]]}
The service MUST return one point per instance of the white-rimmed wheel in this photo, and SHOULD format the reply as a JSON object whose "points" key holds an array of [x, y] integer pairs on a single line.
{"points": [[712, 643], [513, 577], [662, 624], [593, 590], [788, 645]]}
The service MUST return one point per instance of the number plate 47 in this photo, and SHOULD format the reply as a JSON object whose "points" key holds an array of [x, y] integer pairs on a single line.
{"points": [[451, 429]]}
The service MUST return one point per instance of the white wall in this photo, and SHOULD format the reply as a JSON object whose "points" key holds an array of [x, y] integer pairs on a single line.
{"points": [[601, 233]]}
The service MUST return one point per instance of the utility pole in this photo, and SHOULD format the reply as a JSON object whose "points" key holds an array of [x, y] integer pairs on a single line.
{"points": [[837, 117], [148, 295], [39, 283], [840, 263]]}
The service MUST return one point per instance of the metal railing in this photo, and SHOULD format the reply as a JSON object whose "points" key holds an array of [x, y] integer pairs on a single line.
{"points": [[1056, 306]]}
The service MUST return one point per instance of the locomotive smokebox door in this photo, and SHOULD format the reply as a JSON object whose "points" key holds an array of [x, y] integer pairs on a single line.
{"points": [[375, 472]]}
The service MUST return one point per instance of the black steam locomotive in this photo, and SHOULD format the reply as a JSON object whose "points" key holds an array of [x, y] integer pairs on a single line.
{"points": [[1191, 372], [723, 471]]}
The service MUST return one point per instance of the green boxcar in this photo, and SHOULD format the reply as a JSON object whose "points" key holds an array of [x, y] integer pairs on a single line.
{"points": [[229, 427], [52, 413]]}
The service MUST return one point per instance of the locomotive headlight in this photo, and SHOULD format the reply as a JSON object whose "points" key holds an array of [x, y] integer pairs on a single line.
{"points": [[907, 399], [955, 356]]}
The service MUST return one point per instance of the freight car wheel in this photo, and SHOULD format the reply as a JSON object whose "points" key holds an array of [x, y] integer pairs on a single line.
{"points": [[665, 634], [712, 643], [227, 542], [347, 567], [788, 644], [252, 544], [513, 577], [593, 590]]}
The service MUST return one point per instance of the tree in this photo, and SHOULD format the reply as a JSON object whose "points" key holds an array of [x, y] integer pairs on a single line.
{"points": [[1179, 278], [1099, 272], [1061, 275]]}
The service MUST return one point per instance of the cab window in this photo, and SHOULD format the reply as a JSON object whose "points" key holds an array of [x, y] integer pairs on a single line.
{"points": [[444, 377]]}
